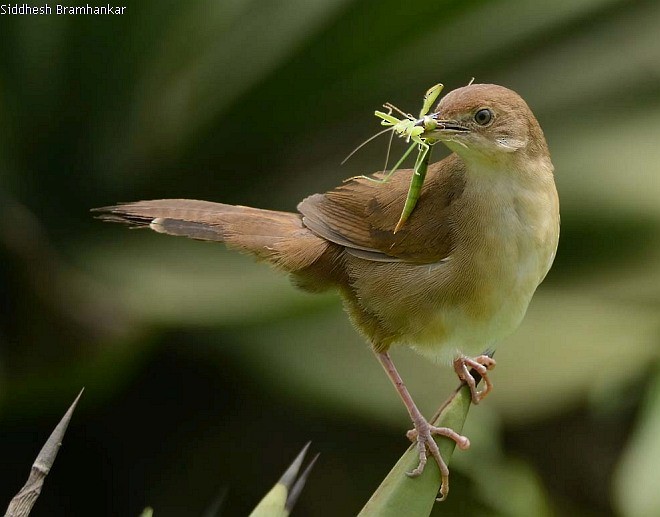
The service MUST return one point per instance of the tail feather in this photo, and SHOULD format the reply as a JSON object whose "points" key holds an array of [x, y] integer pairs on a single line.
{"points": [[277, 237], [192, 230]]}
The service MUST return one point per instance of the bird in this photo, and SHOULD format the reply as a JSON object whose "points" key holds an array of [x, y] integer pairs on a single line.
{"points": [[454, 281]]}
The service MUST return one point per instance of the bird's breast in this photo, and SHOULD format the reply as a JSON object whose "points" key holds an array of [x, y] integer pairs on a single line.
{"points": [[507, 231]]}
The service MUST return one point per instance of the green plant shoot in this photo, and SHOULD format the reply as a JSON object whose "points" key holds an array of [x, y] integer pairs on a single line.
{"points": [[412, 128]]}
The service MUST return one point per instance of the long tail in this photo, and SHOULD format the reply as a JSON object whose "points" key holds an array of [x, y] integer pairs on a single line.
{"points": [[276, 237]]}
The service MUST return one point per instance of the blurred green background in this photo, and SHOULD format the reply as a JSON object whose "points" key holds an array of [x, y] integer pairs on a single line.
{"points": [[205, 372]]}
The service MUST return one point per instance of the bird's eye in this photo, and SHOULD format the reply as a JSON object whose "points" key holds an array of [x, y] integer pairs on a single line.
{"points": [[483, 116]]}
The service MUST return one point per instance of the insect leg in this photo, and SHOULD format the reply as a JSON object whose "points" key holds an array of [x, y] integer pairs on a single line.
{"points": [[389, 174], [387, 118], [429, 98], [416, 182], [392, 107]]}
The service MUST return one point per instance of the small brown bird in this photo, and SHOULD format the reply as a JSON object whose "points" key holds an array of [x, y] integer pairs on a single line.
{"points": [[452, 282]]}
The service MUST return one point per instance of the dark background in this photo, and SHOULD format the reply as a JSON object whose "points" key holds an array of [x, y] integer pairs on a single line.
{"points": [[206, 373]]}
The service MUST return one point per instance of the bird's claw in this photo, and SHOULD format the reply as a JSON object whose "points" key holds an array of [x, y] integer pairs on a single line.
{"points": [[423, 434], [481, 364]]}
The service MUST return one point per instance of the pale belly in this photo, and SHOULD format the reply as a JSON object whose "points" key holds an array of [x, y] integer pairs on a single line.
{"points": [[504, 275], [460, 329], [479, 295]]}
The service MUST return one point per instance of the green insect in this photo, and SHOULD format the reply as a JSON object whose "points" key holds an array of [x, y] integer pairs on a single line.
{"points": [[412, 129]]}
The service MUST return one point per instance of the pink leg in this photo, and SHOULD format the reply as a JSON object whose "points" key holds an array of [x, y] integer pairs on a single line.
{"points": [[423, 432], [481, 364]]}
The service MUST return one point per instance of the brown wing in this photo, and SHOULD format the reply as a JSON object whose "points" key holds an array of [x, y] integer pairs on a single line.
{"points": [[361, 215]]}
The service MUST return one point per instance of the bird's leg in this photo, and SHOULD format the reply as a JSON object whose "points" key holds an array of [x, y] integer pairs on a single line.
{"points": [[481, 365], [423, 432]]}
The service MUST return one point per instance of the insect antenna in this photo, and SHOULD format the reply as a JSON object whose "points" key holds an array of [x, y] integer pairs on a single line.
{"points": [[391, 107], [389, 147], [366, 142]]}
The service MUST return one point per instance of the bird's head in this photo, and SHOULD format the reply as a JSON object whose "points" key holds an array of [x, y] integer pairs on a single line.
{"points": [[489, 123]]}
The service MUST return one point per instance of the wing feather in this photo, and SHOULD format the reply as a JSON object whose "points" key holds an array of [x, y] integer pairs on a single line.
{"points": [[361, 215]]}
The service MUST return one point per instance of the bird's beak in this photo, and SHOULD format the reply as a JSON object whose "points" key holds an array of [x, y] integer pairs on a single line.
{"points": [[441, 129], [451, 126]]}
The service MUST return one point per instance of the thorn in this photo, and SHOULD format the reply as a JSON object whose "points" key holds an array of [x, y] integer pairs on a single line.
{"points": [[49, 451], [24, 500], [289, 477], [294, 493]]}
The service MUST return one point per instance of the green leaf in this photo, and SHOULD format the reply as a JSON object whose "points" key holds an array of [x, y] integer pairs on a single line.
{"points": [[273, 504], [399, 494], [635, 482], [284, 495]]}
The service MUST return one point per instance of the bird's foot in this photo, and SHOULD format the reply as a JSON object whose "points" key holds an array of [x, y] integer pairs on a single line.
{"points": [[423, 434], [481, 364]]}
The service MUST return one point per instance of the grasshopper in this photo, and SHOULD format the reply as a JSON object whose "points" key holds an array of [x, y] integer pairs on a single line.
{"points": [[412, 129]]}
